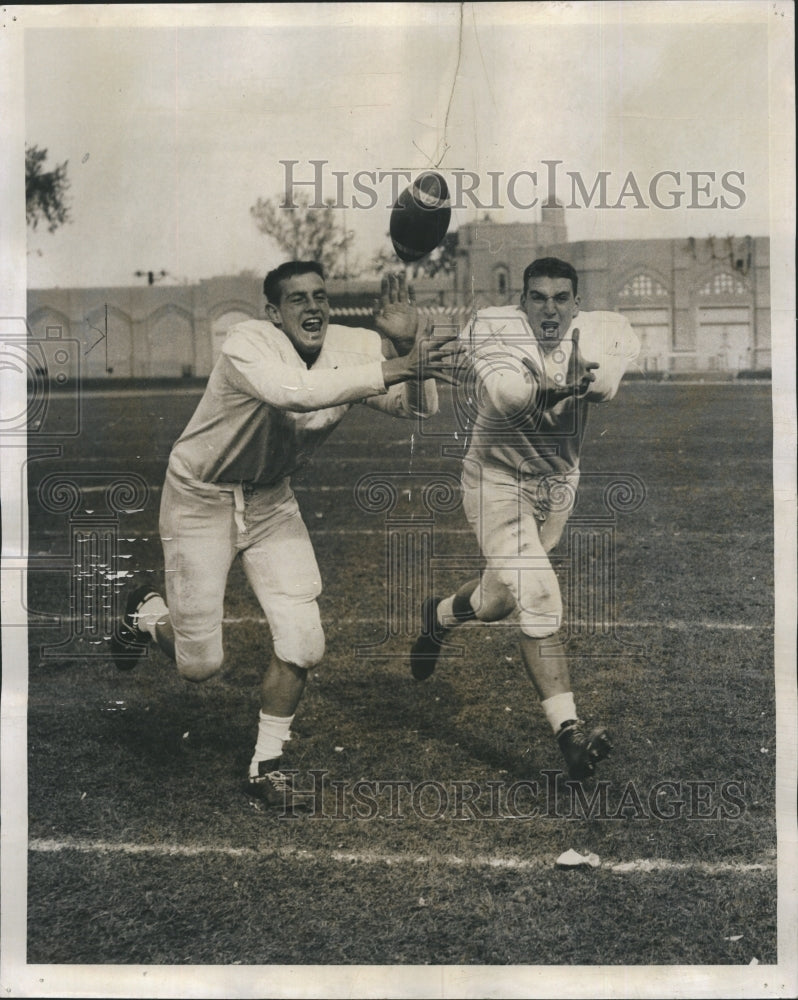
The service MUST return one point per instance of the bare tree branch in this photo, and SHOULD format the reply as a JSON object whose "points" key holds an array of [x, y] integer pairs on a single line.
{"points": [[306, 233], [443, 258]]}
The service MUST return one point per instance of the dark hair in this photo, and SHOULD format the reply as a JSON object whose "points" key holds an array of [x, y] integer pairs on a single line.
{"points": [[551, 267], [290, 269]]}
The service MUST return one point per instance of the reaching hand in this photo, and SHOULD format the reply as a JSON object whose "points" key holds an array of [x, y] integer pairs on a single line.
{"points": [[580, 373], [435, 356], [438, 356], [580, 376], [395, 312]]}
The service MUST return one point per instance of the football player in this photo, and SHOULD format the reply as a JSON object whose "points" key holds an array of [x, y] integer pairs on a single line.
{"points": [[536, 369], [278, 389]]}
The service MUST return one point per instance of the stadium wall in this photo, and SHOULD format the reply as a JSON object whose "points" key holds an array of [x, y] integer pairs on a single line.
{"points": [[698, 305]]}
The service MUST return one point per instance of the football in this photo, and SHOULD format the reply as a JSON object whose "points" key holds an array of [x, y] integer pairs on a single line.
{"points": [[420, 217]]}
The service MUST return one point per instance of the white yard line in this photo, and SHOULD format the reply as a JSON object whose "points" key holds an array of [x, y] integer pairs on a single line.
{"points": [[311, 526], [422, 522], [636, 866], [157, 488], [600, 628], [678, 626], [298, 488], [342, 459]]}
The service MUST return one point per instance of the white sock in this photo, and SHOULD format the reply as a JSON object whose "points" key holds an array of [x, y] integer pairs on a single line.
{"points": [[273, 731], [151, 612], [445, 612], [559, 708]]}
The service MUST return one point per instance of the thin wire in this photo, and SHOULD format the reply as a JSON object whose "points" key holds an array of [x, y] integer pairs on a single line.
{"points": [[454, 85], [482, 57]]}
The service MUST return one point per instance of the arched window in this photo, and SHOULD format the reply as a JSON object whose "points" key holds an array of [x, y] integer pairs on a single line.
{"points": [[643, 286], [170, 332], [723, 283], [643, 299], [108, 335]]}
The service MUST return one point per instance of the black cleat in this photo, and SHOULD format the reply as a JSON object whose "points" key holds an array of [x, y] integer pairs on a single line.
{"points": [[582, 752], [272, 787], [129, 641], [424, 651]]}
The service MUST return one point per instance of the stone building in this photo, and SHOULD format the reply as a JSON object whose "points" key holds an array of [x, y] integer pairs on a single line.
{"points": [[699, 305]]}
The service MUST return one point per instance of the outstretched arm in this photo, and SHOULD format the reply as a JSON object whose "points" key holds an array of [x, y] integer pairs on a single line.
{"points": [[611, 342], [432, 356], [581, 375], [414, 357]]}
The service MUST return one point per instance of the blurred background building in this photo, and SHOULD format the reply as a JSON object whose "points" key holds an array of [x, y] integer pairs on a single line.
{"points": [[699, 305]]}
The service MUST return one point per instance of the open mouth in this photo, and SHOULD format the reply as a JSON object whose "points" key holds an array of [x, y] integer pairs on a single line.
{"points": [[549, 328], [312, 325]]}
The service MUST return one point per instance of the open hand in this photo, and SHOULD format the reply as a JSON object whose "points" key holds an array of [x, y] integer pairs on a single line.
{"points": [[435, 355], [438, 356], [581, 375], [395, 312]]}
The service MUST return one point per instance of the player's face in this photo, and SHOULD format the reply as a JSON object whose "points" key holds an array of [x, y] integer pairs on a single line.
{"points": [[303, 312], [550, 306]]}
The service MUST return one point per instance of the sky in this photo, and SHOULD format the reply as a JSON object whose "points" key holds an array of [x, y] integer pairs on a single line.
{"points": [[173, 131]]}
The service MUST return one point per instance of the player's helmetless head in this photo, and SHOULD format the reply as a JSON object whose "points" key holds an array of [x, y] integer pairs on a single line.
{"points": [[298, 304], [549, 298]]}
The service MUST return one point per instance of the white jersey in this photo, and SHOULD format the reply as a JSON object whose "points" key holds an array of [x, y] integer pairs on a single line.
{"points": [[509, 430], [264, 412]]}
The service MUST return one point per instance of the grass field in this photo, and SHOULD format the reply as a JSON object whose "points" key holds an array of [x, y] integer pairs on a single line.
{"points": [[143, 849]]}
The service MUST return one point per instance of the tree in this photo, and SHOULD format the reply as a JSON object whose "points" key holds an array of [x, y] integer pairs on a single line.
{"points": [[443, 258], [45, 190], [306, 233]]}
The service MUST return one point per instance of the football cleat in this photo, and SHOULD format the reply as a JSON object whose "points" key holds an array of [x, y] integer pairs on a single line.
{"points": [[424, 651], [129, 641], [272, 787], [581, 751]]}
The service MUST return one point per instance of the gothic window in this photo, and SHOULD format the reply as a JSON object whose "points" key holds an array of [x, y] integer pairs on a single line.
{"points": [[171, 341], [723, 283], [643, 286]]}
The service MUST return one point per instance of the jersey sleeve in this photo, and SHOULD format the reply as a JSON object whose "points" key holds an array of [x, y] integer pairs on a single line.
{"points": [[256, 367], [608, 339], [495, 345], [408, 400], [503, 383]]}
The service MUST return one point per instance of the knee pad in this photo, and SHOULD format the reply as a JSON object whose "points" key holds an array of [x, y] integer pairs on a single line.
{"points": [[196, 661], [539, 630], [297, 634]]}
